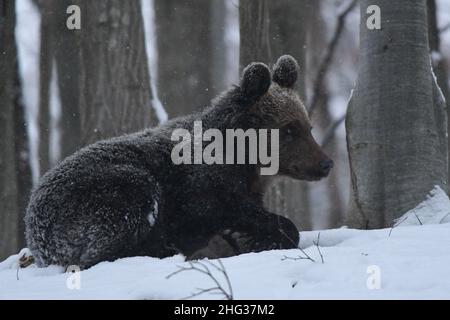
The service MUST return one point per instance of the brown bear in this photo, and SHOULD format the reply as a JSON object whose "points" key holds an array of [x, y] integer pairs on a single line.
{"points": [[126, 197]]}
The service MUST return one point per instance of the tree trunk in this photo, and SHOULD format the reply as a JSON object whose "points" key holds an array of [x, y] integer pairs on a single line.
{"points": [[67, 57], [45, 71], [396, 119], [218, 46], [113, 80], [9, 217], [439, 63], [332, 199], [185, 51], [22, 157], [254, 32], [270, 29]]}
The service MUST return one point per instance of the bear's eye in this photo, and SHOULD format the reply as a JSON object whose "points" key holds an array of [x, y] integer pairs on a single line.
{"points": [[289, 132]]}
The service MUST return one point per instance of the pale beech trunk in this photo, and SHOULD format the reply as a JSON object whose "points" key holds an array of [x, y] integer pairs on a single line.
{"points": [[396, 119], [440, 64]]}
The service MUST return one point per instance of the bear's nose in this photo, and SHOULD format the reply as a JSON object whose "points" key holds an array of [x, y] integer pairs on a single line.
{"points": [[326, 165]]}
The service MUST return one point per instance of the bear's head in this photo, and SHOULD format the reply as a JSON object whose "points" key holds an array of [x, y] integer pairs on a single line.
{"points": [[272, 102]]}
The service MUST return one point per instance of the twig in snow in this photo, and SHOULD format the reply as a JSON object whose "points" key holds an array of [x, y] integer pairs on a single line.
{"points": [[297, 245], [203, 268], [397, 224], [326, 62], [442, 220], [318, 247], [418, 219]]}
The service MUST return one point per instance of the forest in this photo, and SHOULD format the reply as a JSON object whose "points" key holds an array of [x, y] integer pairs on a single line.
{"points": [[374, 77]]}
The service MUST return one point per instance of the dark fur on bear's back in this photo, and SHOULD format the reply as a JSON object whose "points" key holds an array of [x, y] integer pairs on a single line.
{"points": [[98, 204]]}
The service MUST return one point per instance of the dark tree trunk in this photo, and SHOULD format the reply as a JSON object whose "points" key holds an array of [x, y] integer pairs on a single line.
{"points": [[45, 72], [67, 58], [185, 52], [9, 217], [22, 158], [113, 81], [396, 118], [254, 32]]}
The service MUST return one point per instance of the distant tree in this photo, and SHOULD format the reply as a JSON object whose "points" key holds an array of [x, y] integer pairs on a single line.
{"points": [[22, 157], [268, 30], [185, 53], [254, 32], [325, 48], [45, 72], [396, 119], [9, 217]]}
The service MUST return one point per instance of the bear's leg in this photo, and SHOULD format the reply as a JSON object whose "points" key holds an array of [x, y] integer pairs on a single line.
{"points": [[265, 231], [251, 233], [100, 217]]}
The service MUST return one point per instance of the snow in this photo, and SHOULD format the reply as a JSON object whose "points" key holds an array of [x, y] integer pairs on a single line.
{"points": [[434, 210], [436, 57], [409, 261], [441, 94]]}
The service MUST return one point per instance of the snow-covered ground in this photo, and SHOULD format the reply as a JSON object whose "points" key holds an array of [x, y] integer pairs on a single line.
{"points": [[410, 261]]}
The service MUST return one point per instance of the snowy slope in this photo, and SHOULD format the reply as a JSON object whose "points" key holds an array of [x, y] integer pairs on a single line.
{"points": [[408, 262]]}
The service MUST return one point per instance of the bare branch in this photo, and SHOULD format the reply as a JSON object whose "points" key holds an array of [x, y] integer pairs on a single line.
{"points": [[444, 28], [330, 132], [326, 62], [443, 218], [397, 224], [297, 245], [203, 268], [418, 219], [318, 247]]}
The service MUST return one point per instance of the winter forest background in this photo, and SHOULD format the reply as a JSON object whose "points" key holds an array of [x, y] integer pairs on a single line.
{"points": [[134, 64]]}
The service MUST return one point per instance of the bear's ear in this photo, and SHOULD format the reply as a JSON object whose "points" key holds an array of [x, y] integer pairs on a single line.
{"points": [[255, 81], [285, 71]]}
